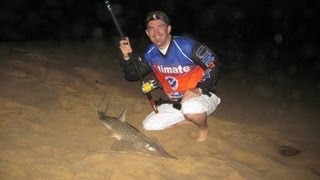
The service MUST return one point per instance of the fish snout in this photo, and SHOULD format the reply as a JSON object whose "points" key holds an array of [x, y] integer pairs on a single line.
{"points": [[159, 151]]}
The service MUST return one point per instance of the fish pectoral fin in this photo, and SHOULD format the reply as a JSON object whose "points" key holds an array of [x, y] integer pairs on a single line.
{"points": [[122, 145]]}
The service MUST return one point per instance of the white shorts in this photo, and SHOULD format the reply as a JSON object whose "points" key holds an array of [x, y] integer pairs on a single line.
{"points": [[168, 115]]}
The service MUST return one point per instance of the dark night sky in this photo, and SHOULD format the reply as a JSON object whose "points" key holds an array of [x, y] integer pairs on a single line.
{"points": [[284, 29], [56, 19]]}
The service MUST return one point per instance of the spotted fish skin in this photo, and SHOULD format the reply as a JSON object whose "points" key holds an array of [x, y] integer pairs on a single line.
{"points": [[130, 138]]}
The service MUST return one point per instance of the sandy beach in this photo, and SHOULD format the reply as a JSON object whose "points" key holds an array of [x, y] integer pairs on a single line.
{"points": [[49, 127]]}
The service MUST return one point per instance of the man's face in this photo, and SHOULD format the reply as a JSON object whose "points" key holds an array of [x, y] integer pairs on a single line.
{"points": [[159, 33]]}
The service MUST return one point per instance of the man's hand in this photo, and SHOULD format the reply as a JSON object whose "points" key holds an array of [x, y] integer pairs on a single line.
{"points": [[191, 93], [125, 48]]}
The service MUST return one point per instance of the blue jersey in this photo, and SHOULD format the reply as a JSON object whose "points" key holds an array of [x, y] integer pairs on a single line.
{"points": [[176, 71]]}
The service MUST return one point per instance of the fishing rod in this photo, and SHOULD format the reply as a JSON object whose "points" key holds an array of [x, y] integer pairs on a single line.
{"points": [[147, 87]]}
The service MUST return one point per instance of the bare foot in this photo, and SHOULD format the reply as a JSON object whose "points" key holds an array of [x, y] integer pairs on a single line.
{"points": [[203, 133]]}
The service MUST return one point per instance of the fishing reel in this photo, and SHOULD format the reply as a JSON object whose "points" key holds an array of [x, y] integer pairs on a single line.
{"points": [[149, 86]]}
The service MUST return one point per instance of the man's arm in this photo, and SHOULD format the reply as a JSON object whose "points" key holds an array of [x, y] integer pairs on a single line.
{"points": [[127, 64], [208, 60], [129, 71]]}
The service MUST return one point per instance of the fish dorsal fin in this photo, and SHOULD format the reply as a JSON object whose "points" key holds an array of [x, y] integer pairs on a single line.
{"points": [[122, 116]]}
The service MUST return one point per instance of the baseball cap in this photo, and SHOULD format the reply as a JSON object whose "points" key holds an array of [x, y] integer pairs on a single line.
{"points": [[155, 15]]}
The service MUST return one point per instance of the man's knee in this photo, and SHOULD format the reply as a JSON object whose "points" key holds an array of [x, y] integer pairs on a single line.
{"points": [[196, 117], [189, 116], [153, 123], [148, 126]]}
